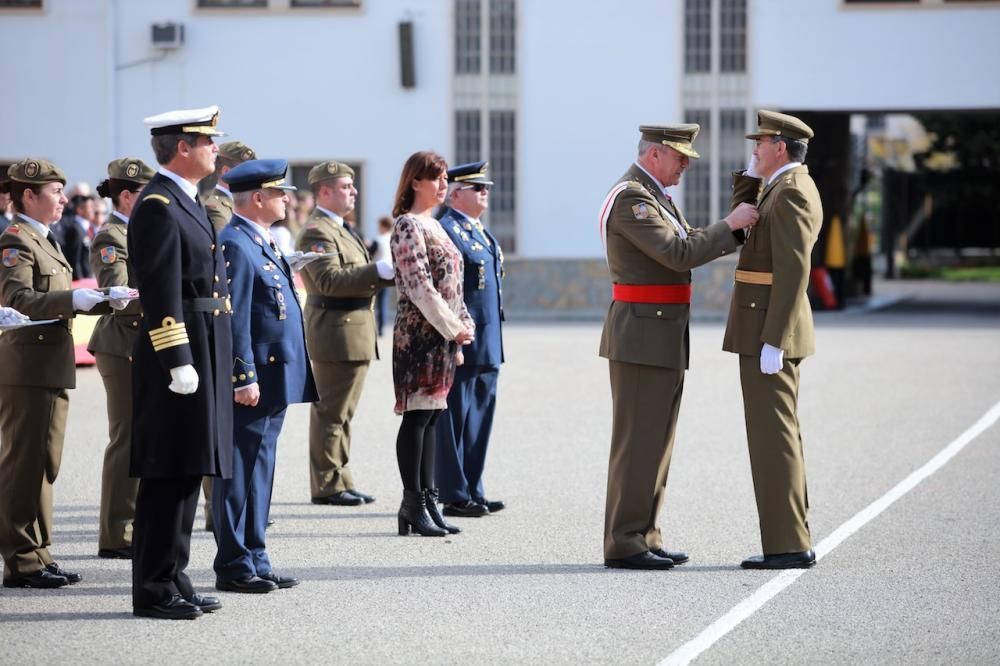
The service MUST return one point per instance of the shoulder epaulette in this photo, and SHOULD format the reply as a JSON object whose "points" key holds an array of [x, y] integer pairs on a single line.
{"points": [[157, 197]]}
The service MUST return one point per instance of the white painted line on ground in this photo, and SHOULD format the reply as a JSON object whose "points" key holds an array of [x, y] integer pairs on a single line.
{"points": [[690, 651]]}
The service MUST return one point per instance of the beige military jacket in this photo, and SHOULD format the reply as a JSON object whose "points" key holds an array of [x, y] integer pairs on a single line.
{"points": [[645, 247], [114, 333], [345, 271], [781, 243], [219, 208], [36, 280]]}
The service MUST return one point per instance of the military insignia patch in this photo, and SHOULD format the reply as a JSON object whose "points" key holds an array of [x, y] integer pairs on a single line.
{"points": [[108, 255], [31, 169], [246, 155], [468, 226], [132, 170], [641, 211], [318, 247], [14, 229], [10, 257]]}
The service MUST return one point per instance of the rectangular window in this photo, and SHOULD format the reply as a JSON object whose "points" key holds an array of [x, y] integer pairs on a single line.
{"points": [[697, 178], [697, 36], [231, 4], [468, 36], [468, 137], [20, 4], [734, 151], [502, 36], [503, 169], [326, 3], [733, 36]]}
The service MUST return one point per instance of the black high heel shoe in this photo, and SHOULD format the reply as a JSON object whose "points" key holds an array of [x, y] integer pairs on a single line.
{"points": [[413, 516], [431, 500]]}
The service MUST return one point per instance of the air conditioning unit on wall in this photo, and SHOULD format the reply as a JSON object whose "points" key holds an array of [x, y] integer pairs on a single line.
{"points": [[167, 35]]}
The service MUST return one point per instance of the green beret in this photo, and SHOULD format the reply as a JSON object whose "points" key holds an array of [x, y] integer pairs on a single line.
{"points": [[236, 152], [772, 123], [36, 172], [328, 170], [131, 169], [679, 137]]}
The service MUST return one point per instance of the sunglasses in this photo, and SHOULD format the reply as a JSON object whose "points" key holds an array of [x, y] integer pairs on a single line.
{"points": [[478, 187]]}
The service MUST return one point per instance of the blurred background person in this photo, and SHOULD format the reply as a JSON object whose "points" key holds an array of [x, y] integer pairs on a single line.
{"points": [[379, 249], [431, 325]]}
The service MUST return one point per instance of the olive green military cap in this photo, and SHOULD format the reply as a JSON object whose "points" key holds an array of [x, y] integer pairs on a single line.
{"points": [[679, 137], [36, 172], [772, 123], [328, 170], [131, 169], [237, 152]]}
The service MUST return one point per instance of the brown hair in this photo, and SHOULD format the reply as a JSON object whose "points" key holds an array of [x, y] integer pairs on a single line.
{"points": [[17, 190], [423, 165]]}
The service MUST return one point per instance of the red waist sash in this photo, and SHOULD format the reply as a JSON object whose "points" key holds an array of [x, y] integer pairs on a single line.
{"points": [[651, 293]]}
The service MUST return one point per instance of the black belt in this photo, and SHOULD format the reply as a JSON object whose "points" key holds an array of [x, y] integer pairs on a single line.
{"points": [[333, 303], [212, 305]]}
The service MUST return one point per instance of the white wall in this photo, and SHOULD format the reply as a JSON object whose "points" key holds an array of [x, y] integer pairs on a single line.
{"points": [[873, 58], [591, 73], [303, 86]]}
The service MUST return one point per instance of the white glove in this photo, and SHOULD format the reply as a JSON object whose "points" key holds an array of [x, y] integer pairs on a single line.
{"points": [[298, 260], [385, 269], [185, 379], [752, 167], [771, 359], [120, 297], [84, 300], [10, 316]]}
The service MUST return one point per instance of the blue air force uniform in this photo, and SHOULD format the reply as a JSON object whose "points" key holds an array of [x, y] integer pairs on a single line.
{"points": [[463, 433], [269, 349]]}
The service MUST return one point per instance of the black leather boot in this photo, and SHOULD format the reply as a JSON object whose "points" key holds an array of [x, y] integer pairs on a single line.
{"points": [[413, 516], [431, 500]]}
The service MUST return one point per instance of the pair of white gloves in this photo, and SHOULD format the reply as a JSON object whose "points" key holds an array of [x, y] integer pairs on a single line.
{"points": [[298, 260], [771, 358], [84, 300]]}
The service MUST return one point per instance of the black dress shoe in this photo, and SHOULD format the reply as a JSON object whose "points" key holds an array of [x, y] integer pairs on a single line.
{"points": [[801, 560], [116, 553], [466, 509], [643, 560], [492, 505], [284, 582], [41, 579], [343, 498], [174, 608], [248, 585], [677, 556], [367, 499], [203, 602], [55, 570]]}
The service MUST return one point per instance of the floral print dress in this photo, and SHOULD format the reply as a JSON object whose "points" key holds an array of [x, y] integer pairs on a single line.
{"points": [[430, 313]]}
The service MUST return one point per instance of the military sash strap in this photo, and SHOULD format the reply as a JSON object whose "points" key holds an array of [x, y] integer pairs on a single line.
{"points": [[334, 303], [754, 277], [651, 293]]}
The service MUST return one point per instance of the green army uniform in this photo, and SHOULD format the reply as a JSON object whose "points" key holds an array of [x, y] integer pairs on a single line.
{"points": [[340, 334], [37, 367], [111, 344], [646, 339], [769, 305]]}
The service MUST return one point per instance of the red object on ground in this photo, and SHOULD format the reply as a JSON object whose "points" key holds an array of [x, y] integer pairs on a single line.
{"points": [[823, 287]]}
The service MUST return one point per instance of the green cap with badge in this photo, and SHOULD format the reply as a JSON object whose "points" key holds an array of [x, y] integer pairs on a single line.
{"points": [[328, 170], [772, 123], [36, 172], [131, 169], [236, 152], [679, 137]]}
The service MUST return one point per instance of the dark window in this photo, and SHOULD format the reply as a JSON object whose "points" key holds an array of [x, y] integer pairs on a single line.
{"points": [[231, 4], [733, 36], [468, 136], [503, 166], [734, 151], [697, 36], [697, 178], [326, 3], [502, 36], [20, 4], [468, 36]]}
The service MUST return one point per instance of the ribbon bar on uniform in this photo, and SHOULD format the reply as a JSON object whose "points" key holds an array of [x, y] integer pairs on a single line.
{"points": [[651, 293], [754, 277]]}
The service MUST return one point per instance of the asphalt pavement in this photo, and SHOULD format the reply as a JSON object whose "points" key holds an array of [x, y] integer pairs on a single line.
{"points": [[886, 392]]}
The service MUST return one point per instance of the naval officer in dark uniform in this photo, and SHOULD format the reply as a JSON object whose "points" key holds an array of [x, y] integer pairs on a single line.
{"points": [[182, 393], [270, 370], [464, 433]]}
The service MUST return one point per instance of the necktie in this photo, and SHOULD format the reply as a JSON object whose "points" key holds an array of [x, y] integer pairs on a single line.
{"points": [[54, 242]]}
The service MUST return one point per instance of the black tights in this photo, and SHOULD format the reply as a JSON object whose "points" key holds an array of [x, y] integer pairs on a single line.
{"points": [[415, 445]]}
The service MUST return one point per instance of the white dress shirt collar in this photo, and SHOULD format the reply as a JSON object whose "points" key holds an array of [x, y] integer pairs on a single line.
{"points": [[187, 187], [264, 233], [781, 170], [653, 178], [43, 229], [120, 216], [336, 218], [224, 190]]}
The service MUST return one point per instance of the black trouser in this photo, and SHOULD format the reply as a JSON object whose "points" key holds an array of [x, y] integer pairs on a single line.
{"points": [[161, 538], [415, 446]]}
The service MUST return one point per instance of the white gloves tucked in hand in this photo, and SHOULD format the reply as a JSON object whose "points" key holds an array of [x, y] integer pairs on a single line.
{"points": [[120, 297], [752, 167], [771, 359], [185, 379], [298, 260], [10, 317], [84, 300], [385, 269]]}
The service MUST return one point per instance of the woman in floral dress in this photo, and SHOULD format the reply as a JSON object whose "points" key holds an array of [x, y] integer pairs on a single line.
{"points": [[431, 326]]}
